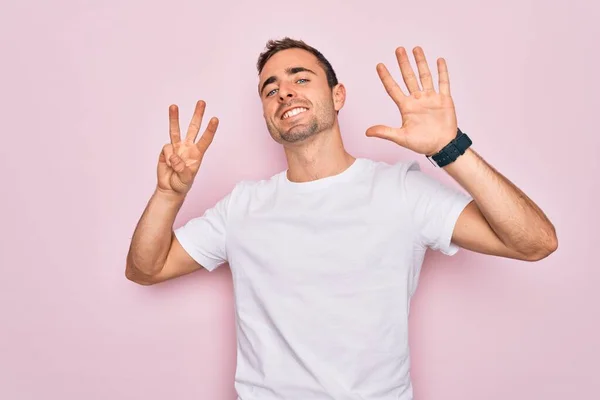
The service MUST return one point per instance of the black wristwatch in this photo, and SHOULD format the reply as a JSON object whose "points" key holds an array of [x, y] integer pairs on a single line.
{"points": [[452, 151]]}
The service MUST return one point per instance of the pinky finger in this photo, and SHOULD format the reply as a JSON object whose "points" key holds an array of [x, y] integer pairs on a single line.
{"points": [[167, 152], [444, 79]]}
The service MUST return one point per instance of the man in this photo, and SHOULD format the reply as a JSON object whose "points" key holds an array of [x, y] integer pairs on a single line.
{"points": [[325, 256]]}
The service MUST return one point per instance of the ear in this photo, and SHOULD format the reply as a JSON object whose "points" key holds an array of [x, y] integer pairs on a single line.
{"points": [[339, 96]]}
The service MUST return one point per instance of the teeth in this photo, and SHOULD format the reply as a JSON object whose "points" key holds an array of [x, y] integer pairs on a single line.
{"points": [[294, 111]]}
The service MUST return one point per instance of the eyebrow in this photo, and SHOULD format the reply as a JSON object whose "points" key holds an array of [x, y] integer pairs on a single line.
{"points": [[288, 71]]}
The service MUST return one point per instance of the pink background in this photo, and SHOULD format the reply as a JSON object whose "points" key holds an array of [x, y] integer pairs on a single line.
{"points": [[85, 88]]}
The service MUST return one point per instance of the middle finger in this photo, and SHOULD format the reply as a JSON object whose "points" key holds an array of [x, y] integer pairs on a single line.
{"points": [[194, 127], [412, 84]]}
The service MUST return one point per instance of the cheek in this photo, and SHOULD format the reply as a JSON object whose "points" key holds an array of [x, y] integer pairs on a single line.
{"points": [[265, 107], [323, 102], [323, 97], [269, 109]]}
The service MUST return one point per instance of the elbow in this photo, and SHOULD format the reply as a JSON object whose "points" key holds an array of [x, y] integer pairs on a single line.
{"points": [[553, 245], [133, 274], [542, 250], [135, 277]]}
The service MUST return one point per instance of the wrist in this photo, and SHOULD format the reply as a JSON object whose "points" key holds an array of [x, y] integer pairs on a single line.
{"points": [[168, 196], [443, 143], [451, 151]]}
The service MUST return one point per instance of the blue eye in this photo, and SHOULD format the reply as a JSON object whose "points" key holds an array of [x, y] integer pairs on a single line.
{"points": [[301, 80]]}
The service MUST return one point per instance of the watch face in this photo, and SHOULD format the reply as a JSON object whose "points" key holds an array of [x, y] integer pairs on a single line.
{"points": [[432, 161]]}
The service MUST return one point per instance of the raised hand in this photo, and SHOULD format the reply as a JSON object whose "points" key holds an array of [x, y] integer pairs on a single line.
{"points": [[428, 117], [180, 160]]}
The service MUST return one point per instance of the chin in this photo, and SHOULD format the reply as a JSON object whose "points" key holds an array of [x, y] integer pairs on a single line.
{"points": [[300, 132]]}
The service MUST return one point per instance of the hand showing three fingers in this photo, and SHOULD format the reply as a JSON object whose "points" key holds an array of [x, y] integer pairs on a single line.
{"points": [[180, 160], [428, 117]]}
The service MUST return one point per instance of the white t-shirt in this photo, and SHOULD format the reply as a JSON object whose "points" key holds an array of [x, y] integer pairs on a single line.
{"points": [[323, 273]]}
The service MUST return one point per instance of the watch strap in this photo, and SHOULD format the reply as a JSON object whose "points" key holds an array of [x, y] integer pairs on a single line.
{"points": [[452, 150]]}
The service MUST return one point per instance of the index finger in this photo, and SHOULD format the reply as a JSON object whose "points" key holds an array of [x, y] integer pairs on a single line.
{"points": [[390, 85], [174, 132], [208, 135]]}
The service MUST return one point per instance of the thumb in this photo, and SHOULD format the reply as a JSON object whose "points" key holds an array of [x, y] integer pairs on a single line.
{"points": [[183, 172], [395, 135]]}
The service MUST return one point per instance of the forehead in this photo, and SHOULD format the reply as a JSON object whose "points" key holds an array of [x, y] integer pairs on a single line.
{"points": [[284, 59]]}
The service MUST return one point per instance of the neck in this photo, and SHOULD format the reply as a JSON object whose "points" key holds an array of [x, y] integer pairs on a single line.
{"points": [[318, 157]]}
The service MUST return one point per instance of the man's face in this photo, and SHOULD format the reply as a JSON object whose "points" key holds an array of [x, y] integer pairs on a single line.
{"points": [[297, 101]]}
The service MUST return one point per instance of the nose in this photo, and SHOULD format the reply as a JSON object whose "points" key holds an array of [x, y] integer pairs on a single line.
{"points": [[286, 92]]}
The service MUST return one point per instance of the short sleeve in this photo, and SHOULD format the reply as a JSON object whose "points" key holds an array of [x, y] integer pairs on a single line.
{"points": [[435, 208], [204, 238]]}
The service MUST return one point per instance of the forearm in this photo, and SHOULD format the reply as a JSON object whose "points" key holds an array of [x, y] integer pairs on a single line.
{"points": [[517, 221], [153, 234]]}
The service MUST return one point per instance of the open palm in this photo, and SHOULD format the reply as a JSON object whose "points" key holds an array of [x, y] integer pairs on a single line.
{"points": [[180, 160], [428, 117]]}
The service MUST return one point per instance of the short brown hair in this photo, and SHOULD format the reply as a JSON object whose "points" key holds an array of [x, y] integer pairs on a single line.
{"points": [[275, 46]]}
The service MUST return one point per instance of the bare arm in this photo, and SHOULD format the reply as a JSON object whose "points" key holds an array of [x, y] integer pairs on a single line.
{"points": [[502, 220], [178, 263], [154, 245], [154, 254]]}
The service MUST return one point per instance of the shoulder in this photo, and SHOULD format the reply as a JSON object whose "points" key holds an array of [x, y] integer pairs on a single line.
{"points": [[246, 190], [396, 171], [404, 180]]}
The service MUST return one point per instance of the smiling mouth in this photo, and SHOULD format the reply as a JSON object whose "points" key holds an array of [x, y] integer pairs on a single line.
{"points": [[293, 112]]}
